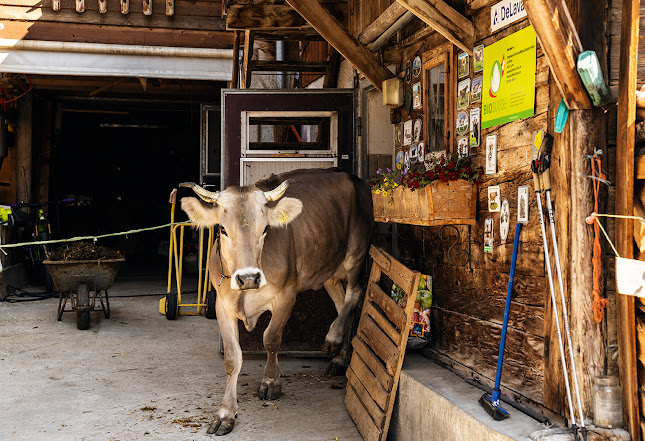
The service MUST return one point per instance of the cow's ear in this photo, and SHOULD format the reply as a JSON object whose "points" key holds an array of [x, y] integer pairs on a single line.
{"points": [[284, 212], [199, 213]]}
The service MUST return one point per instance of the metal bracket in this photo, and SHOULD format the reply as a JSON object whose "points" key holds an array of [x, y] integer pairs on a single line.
{"points": [[459, 250]]}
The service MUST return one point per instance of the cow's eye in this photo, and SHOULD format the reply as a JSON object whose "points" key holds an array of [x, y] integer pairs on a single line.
{"points": [[222, 230]]}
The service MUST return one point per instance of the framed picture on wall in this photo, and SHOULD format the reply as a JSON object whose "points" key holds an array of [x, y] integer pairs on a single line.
{"points": [[462, 147], [463, 64], [474, 127], [463, 94], [491, 154], [462, 123], [478, 58], [476, 92]]}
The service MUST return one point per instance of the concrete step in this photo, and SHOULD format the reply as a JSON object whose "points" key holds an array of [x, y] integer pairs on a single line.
{"points": [[433, 404]]}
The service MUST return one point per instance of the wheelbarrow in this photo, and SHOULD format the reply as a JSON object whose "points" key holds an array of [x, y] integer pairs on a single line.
{"points": [[82, 282]]}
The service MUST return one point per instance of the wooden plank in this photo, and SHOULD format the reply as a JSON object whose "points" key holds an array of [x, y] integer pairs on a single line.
{"points": [[626, 119], [640, 338], [336, 34], [640, 166], [364, 423], [88, 33], [236, 60], [370, 359], [376, 390], [372, 408], [393, 333], [382, 346], [380, 258], [386, 304], [445, 20], [289, 66], [246, 60], [559, 39], [382, 23], [275, 17], [33, 14]]}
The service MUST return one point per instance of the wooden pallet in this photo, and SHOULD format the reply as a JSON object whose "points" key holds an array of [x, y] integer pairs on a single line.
{"points": [[379, 347]]}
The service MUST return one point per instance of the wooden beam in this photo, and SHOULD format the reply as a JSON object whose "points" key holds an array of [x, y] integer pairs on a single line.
{"points": [[382, 23], [249, 38], [336, 35], [290, 66], [264, 17], [236, 60], [445, 20], [559, 39], [626, 121]]}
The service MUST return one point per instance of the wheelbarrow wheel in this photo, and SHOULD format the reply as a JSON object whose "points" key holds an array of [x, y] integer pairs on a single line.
{"points": [[171, 306], [83, 313], [210, 305]]}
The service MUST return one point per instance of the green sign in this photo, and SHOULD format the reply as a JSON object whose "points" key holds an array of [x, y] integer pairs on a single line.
{"points": [[508, 92]]}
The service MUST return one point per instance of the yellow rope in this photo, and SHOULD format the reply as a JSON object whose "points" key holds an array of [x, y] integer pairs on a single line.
{"points": [[619, 216], [94, 238]]}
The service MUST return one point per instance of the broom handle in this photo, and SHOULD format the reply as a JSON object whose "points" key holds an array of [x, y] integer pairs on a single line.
{"points": [[507, 308]]}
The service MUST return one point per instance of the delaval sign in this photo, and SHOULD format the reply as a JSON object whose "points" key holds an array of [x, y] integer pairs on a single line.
{"points": [[506, 12]]}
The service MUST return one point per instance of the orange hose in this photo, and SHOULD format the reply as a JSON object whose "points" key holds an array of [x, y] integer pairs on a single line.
{"points": [[599, 303]]}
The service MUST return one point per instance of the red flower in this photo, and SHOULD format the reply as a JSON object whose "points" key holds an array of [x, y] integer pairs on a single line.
{"points": [[468, 170], [451, 165], [452, 175], [441, 175]]}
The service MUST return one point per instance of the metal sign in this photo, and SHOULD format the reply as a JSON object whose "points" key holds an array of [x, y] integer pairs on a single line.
{"points": [[506, 12]]}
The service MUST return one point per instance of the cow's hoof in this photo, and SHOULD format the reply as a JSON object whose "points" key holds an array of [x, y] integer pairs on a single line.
{"points": [[336, 367], [332, 348], [221, 426], [270, 390]]}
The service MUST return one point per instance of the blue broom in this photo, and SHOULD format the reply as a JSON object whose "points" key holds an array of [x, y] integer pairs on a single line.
{"points": [[491, 403]]}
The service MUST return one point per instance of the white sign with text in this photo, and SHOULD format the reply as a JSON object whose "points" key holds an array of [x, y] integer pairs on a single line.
{"points": [[505, 13]]}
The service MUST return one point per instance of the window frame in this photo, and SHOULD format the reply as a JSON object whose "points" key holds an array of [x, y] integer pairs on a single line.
{"points": [[443, 54]]}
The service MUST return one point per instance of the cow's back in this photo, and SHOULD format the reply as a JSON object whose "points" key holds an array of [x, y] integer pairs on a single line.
{"points": [[337, 219]]}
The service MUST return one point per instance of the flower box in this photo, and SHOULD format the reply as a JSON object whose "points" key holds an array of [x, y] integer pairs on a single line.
{"points": [[440, 203]]}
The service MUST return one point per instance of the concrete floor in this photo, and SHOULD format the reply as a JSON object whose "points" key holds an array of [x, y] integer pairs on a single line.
{"points": [[138, 376]]}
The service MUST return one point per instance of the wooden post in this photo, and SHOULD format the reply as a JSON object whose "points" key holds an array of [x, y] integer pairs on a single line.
{"points": [[102, 6], [561, 43], [246, 62], [147, 7], [445, 20], [125, 6], [24, 134], [626, 120], [236, 60], [336, 35]]}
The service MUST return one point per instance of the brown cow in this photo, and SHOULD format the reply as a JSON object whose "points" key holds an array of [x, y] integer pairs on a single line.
{"points": [[302, 230]]}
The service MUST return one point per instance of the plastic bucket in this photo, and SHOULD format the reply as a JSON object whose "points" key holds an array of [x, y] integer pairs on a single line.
{"points": [[630, 277]]}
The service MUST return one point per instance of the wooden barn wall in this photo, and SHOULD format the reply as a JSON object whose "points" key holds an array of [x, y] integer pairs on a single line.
{"points": [[615, 19], [313, 51], [468, 308], [194, 23]]}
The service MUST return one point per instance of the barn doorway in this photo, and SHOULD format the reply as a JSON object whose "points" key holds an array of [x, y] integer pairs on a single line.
{"points": [[119, 160]]}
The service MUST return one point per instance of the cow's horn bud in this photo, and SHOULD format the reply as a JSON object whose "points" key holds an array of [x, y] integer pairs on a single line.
{"points": [[205, 195], [277, 192]]}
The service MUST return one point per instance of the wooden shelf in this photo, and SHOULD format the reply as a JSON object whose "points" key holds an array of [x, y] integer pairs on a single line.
{"points": [[427, 223]]}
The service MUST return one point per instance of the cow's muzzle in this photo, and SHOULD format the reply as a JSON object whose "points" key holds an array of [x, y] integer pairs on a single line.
{"points": [[248, 278]]}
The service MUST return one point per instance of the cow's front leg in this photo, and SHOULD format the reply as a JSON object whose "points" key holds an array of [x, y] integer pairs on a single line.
{"points": [[271, 386], [225, 416]]}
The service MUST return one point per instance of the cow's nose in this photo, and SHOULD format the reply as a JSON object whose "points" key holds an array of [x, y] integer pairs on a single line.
{"points": [[248, 280]]}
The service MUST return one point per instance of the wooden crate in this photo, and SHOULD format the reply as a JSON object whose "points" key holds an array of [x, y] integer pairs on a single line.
{"points": [[379, 347], [440, 203]]}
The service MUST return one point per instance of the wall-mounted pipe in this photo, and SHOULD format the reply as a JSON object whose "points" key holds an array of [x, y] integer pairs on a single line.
{"points": [[385, 36]]}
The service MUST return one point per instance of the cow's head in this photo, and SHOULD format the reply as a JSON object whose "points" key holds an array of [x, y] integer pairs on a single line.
{"points": [[244, 216]]}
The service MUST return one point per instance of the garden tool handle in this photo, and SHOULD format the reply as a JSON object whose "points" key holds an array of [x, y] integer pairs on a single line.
{"points": [[546, 179], [535, 166]]}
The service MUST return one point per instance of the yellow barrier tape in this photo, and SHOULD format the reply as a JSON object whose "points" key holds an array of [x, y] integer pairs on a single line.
{"points": [[94, 238]]}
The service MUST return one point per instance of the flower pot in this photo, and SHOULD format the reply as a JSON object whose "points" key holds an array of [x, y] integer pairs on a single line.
{"points": [[441, 203]]}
